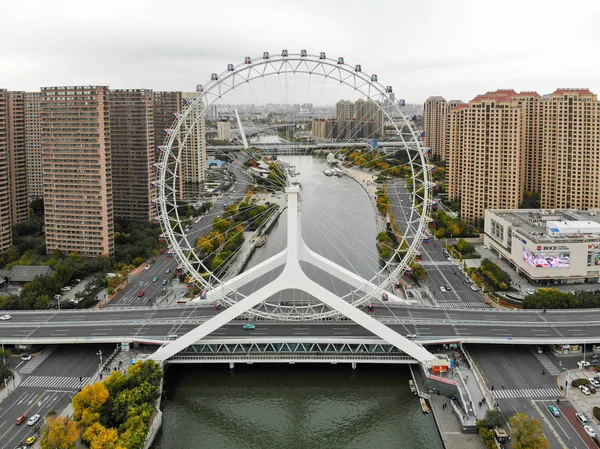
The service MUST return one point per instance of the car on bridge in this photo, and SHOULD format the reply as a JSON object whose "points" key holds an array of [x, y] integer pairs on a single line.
{"points": [[442, 288], [554, 410], [5, 317], [249, 327]]}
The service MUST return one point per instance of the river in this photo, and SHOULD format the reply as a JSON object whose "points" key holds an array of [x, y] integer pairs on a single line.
{"points": [[299, 406]]}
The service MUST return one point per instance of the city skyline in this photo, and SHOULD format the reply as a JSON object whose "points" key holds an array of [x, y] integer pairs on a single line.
{"points": [[72, 44]]}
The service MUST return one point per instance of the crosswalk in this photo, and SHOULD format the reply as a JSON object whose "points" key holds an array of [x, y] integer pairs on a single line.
{"points": [[551, 393], [36, 361], [546, 363], [55, 382], [461, 304]]}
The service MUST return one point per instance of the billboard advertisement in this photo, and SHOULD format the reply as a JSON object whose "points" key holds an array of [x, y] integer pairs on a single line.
{"points": [[547, 259]]}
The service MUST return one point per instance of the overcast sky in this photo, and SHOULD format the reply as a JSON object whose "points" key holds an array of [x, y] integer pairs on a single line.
{"points": [[453, 48]]}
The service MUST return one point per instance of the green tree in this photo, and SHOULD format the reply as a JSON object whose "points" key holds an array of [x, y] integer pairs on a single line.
{"points": [[419, 272], [487, 435], [494, 418], [527, 433]]}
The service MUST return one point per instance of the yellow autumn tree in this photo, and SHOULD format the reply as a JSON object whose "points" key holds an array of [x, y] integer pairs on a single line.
{"points": [[60, 433], [87, 403], [100, 437]]}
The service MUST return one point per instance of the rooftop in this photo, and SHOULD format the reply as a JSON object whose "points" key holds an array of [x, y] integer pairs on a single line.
{"points": [[553, 225], [25, 273]]}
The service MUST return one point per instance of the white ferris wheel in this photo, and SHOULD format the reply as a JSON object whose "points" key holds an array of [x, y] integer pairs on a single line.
{"points": [[278, 165]]}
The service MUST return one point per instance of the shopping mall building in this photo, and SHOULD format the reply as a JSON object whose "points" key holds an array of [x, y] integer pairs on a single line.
{"points": [[547, 246]]}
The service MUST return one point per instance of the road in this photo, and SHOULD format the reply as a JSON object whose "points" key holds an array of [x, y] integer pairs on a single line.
{"points": [[441, 270], [467, 325], [48, 386], [529, 391]]}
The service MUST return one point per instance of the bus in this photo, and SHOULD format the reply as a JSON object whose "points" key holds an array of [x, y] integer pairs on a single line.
{"points": [[409, 272], [419, 255], [178, 270]]}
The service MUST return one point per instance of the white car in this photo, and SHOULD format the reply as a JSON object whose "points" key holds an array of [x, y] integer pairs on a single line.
{"points": [[5, 317], [411, 336], [26, 357], [589, 431], [474, 288], [33, 420], [147, 267], [530, 291], [581, 418], [584, 390], [595, 382], [442, 288], [583, 364]]}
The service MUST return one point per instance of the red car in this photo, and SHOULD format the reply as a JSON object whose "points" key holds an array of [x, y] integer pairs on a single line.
{"points": [[140, 294], [21, 419]]}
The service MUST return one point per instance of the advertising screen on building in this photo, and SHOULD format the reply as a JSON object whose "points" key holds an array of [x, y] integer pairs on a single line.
{"points": [[596, 259], [547, 259]]}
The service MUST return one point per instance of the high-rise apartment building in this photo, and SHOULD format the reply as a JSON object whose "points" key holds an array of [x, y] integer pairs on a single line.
{"points": [[5, 206], [487, 154], [436, 112], [193, 165], [570, 150], [33, 145], [165, 105], [132, 153], [434, 115], [223, 130], [16, 157], [76, 164]]}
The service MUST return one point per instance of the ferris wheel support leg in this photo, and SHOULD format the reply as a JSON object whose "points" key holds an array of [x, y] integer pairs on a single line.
{"points": [[356, 281], [223, 318], [247, 276]]}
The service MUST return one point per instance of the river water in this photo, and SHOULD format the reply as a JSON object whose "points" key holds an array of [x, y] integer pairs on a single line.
{"points": [[300, 406], [293, 407]]}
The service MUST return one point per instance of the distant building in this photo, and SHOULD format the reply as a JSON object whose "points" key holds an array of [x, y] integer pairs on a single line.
{"points": [[77, 170], [354, 120], [547, 246], [223, 130], [132, 153]]}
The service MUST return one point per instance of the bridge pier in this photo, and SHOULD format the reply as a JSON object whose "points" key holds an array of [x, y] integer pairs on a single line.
{"points": [[231, 365], [353, 365]]}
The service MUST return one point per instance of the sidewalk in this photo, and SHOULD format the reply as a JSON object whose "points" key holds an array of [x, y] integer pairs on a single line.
{"points": [[11, 386], [449, 427]]}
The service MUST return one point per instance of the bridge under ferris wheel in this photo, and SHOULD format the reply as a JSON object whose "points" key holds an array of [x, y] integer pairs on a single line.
{"points": [[293, 277]]}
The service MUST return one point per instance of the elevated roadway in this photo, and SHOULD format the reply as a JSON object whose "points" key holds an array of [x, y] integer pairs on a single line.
{"points": [[428, 324]]}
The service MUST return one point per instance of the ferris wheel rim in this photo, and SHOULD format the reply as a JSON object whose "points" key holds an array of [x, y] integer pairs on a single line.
{"points": [[323, 64]]}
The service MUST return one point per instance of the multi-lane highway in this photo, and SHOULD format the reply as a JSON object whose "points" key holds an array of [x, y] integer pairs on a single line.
{"points": [[529, 391], [467, 325], [48, 384]]}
